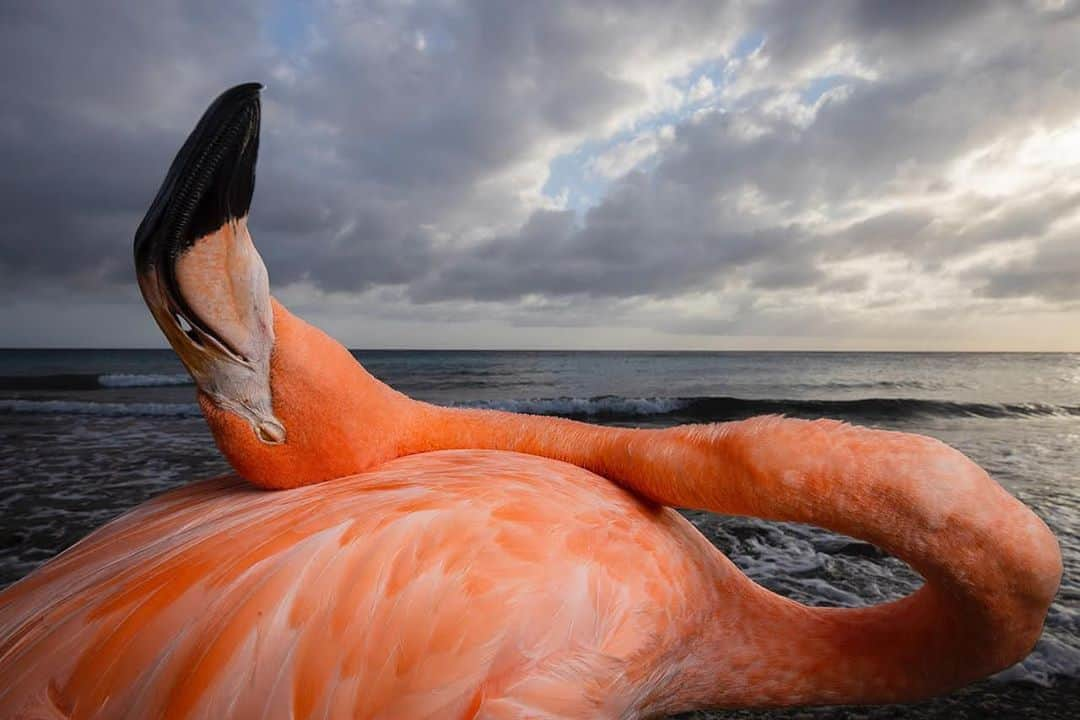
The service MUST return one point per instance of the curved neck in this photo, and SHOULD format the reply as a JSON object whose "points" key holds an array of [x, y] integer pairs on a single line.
{"points": [[991, 566]]}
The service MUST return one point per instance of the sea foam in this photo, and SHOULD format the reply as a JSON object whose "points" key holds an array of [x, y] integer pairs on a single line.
{"points": [[128, 380], [104, 409]]}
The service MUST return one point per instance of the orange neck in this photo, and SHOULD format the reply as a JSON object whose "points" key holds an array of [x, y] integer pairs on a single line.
{"points": [[339, 420], [991, 565]]}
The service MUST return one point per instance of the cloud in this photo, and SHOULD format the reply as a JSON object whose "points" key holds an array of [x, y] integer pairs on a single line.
{"points": [[768, 193], [97, 103], [732, 169], [1050, 273], [625, 156]]}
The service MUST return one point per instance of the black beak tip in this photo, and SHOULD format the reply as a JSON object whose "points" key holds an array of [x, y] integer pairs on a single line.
{"points": [[210, 181], [239, 93], [253, 87]]}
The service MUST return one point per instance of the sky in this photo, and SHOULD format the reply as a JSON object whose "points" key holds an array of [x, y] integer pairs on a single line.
{"points": [[624, 175]]}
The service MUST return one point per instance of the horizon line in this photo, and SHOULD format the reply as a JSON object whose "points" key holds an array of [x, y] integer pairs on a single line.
{"points": [[590, 350]]}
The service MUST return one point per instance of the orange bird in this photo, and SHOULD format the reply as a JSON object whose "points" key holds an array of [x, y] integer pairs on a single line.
{"points": [[428, 562]]}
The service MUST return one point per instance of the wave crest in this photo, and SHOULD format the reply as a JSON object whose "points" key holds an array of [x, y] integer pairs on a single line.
{"points": [[586, 407], [128, 380], [710, 408], [78, 407], [93, 381], [616, 408]]}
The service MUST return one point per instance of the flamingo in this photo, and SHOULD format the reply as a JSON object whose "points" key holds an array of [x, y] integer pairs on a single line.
{"points": [[379, 557]]}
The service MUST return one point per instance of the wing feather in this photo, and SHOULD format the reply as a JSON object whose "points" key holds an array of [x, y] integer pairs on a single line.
{"points": [[450, 584]]}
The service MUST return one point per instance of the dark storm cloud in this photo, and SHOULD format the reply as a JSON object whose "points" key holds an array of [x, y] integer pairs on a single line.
{"points": [[644, 239], [396, 136], [384, 128], [95, 97], [428, 103]]}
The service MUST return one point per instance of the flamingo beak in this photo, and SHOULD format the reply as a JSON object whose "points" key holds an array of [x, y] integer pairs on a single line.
{"points": [[198, 270]]}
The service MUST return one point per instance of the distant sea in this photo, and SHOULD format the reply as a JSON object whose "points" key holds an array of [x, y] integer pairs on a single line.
{"points": [[87, 434]]}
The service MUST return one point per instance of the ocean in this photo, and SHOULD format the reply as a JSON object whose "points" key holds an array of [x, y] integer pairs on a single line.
{"points": [[87, 434]]}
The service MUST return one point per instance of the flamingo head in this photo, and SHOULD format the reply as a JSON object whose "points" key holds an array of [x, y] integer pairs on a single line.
{"points": [[199, 272], [287, 404]]}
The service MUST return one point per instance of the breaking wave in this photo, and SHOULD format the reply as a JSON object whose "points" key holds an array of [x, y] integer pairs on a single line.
{"points": [[103, 409], [92, 381], [618, 408], [702, 409], [125, 380]]}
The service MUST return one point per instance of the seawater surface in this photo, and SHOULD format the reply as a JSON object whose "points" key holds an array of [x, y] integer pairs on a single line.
{"points": [[87, 434]]}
